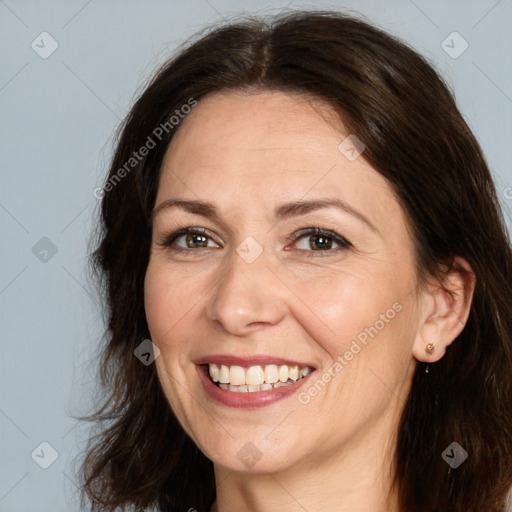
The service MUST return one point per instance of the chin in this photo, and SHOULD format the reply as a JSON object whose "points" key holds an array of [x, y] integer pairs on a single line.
{"points": [[253, 454]]}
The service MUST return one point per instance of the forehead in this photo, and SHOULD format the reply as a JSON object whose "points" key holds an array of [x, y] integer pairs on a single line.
{"points": [[262, 147]]}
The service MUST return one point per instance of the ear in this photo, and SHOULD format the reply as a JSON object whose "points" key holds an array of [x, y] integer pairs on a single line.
{"points": [[445, 304]]}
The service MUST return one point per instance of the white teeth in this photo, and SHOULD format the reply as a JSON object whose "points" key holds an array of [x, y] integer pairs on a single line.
{"points": [[271, 374], [293, 372], [214, 372], [283, 373], [224, 374], [239, 389], [255, 378], [236, 376], [303, 372]]}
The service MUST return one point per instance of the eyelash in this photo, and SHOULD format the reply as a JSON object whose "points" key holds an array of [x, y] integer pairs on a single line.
{"points": [[343, 243]]}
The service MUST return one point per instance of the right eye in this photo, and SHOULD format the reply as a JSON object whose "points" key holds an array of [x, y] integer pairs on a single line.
{"points": [[188, 238]]}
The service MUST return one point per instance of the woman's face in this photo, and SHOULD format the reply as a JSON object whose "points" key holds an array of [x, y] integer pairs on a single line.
{"points": [[258, 291]]}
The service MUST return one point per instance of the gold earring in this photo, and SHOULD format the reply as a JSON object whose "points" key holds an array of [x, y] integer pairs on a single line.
{"points": [[429, 349]]}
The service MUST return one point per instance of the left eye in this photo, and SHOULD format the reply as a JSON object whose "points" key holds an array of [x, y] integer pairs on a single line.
{"points": [[317, 239]]}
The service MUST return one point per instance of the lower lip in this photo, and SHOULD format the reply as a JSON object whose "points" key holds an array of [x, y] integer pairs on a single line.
{"points": [[249, 400]]}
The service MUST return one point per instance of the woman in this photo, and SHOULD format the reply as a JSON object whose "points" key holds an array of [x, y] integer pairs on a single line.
{"points": [[307, 272]]}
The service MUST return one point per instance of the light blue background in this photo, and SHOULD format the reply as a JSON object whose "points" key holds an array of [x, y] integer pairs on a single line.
{"points": [[58, 117]]}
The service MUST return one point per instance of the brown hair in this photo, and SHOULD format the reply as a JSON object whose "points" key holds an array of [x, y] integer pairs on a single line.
{"points": [[404, 114]]}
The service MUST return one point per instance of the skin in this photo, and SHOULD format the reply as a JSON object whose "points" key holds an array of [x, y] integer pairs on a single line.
{"points": [[247, 153]]}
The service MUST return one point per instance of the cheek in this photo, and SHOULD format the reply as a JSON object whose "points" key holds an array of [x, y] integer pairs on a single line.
{"points": [[164, 305], [335, 309], [164, 308]]}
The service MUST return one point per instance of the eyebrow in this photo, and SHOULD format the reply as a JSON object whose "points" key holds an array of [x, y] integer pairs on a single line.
{"points": [[284, 211]]}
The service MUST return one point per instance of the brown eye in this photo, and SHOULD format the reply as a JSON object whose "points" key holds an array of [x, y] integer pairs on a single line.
{"points": [[189, 238], [192, 239], [319, 240]]}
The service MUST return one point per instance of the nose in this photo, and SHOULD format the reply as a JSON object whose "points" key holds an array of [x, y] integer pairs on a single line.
{"points": [[248, 296]]}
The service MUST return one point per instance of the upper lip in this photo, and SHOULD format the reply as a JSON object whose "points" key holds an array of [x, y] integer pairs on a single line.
{"points": [[230, 360]]}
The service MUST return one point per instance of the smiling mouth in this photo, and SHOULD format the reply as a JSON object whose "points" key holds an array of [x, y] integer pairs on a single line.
{"points": [[252, 379]]}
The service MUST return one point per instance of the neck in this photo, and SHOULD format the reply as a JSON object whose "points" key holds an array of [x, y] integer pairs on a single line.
{"points": [[357, 478]]}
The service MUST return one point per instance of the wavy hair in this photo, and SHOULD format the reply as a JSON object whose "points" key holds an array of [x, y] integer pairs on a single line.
{"points": [[406, 116]]}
